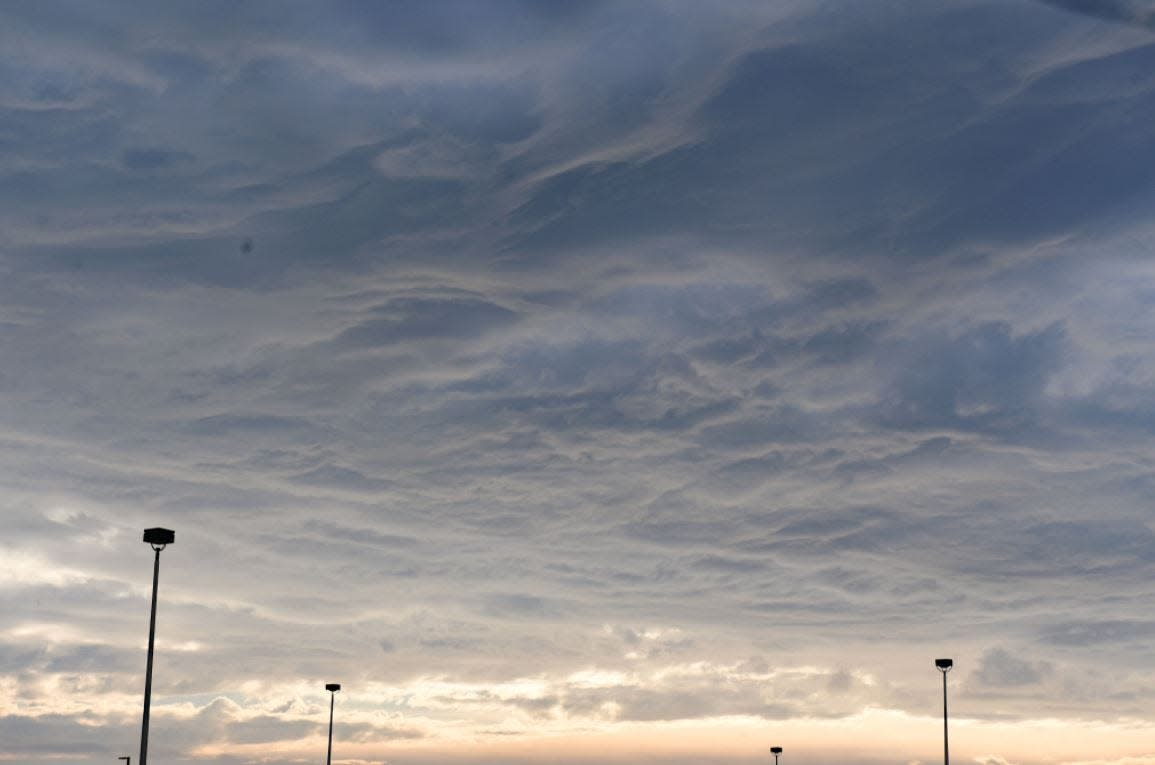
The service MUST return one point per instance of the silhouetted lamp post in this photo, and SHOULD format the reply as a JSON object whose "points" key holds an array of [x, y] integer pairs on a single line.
{"points": [[159, 539], [775, 750], [332, 688], [944, 666], [127, 760]]}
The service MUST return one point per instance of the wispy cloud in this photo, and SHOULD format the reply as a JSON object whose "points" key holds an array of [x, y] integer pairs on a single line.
{"points": [[648, 374], [1137, 12]]}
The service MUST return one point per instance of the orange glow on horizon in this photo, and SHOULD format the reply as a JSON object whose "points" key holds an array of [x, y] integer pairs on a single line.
{"points": [[873, 735]]}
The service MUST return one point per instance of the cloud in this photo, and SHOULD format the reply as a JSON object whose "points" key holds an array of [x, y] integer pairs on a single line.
{"points": [[789, 340], [56, 735], [999, 668], [985, 379], [1097, 632], [1134, 12], [418, 319]]}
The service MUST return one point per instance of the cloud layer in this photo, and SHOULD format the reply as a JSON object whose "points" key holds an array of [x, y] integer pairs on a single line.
{"points": [[577, 381]]}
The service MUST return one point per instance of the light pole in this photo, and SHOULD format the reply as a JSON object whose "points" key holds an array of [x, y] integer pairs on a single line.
{"points": [[775, 750], [944, 666], [127, 760], [332, 688], [158, 539]]}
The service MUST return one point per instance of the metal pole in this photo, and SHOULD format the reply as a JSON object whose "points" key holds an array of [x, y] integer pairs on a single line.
{"points": [[329, 756], [945, 746], [148, 670]]}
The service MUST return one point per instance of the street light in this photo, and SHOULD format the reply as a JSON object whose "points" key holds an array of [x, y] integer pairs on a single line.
{"points": [[127, 760], [944, 666], [332, 688], [775, 750], [158, 539]]}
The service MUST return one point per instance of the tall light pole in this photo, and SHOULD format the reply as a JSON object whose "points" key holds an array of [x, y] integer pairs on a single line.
{"points": [[944, 666], [159, 539], [775, 750], [332, 688]]}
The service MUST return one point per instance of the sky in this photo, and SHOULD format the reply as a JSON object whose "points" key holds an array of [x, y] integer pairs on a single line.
{"points": [[578, 382]]}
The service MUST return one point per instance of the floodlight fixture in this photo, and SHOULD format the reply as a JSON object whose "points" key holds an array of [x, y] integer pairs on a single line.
{"points": [[158, 538]]}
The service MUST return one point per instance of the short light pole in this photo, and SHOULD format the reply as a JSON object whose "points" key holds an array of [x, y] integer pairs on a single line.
{"points": [[944, 666], [127, 760], [775, 750], [158, 539], [332, 688]]}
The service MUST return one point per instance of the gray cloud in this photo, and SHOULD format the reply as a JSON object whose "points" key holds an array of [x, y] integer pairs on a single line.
{"points": [[984, 379], [1001, 669], [1128, 11], [56, 735], [425, 320], [531, 366], [1097, 632]]}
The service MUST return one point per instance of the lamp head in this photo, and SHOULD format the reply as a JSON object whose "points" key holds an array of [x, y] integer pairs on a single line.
{"points": [[944, 665], [334, 687], [158, 538], [775, 750]]}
